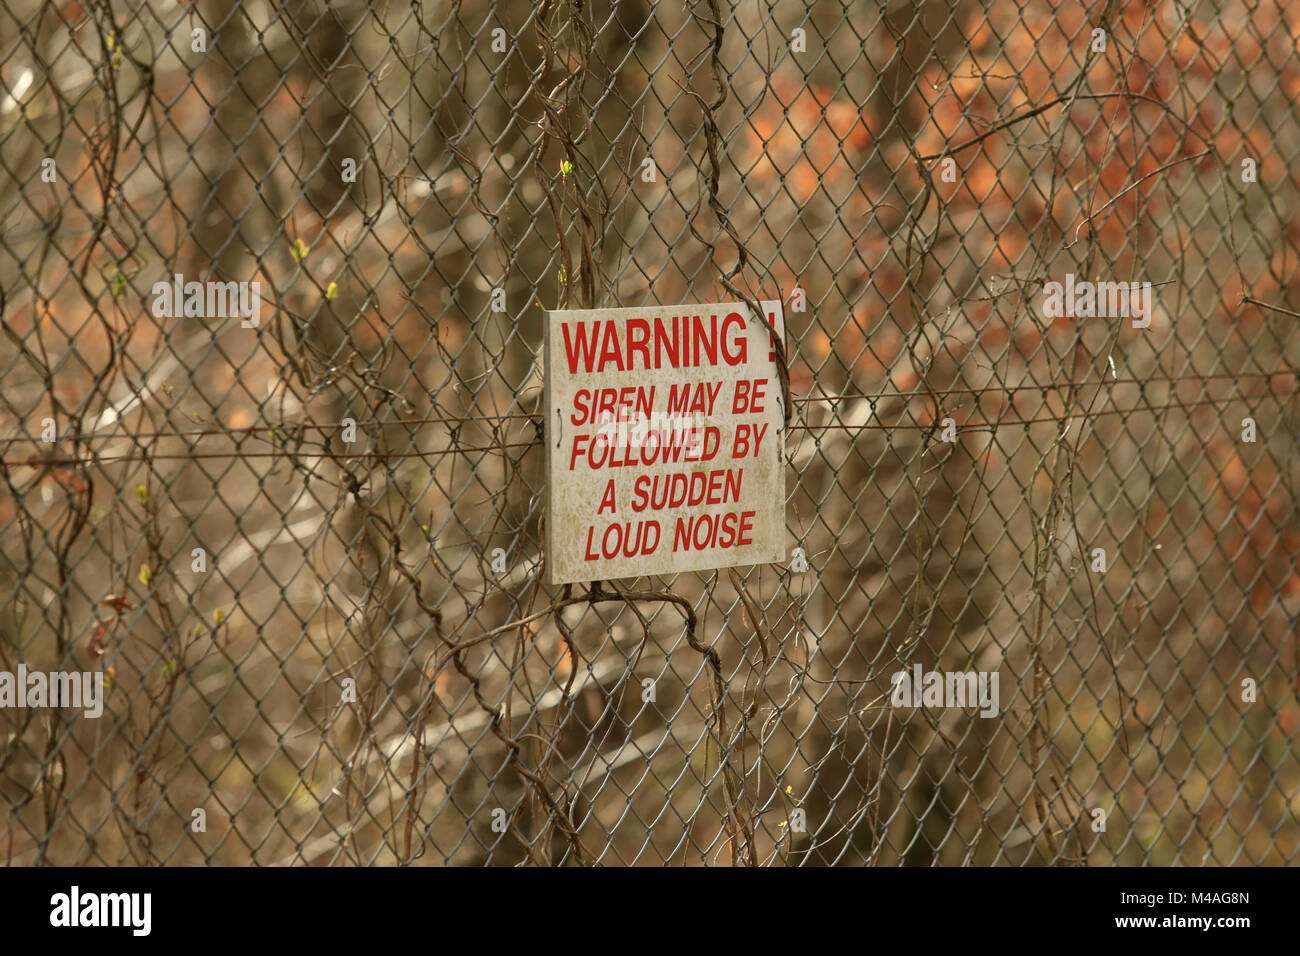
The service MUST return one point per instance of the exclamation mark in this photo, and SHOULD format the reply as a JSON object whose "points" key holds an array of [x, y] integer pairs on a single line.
{"points": [[771, 321]]}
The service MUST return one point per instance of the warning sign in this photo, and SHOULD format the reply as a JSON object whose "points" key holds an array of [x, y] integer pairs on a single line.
{"points": [[664, 442]]}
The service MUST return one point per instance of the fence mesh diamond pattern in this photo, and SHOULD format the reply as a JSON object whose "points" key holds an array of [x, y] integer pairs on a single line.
{"points": [[297, 526]]}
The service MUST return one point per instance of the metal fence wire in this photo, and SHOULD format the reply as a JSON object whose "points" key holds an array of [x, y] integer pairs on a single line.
{"points": [[273, 277]]}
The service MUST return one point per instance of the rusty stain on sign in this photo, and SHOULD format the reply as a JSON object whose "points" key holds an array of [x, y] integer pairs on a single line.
{"points": [[664, 440]]}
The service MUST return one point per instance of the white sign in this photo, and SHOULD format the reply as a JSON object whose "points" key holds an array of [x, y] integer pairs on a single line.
{"points": [[664, 442]]}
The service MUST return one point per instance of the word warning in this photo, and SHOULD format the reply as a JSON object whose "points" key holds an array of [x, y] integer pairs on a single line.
{"points": [[664, 442]]}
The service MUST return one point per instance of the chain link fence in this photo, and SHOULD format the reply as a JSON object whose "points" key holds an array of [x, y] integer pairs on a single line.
{"points": [[296, 526]]}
